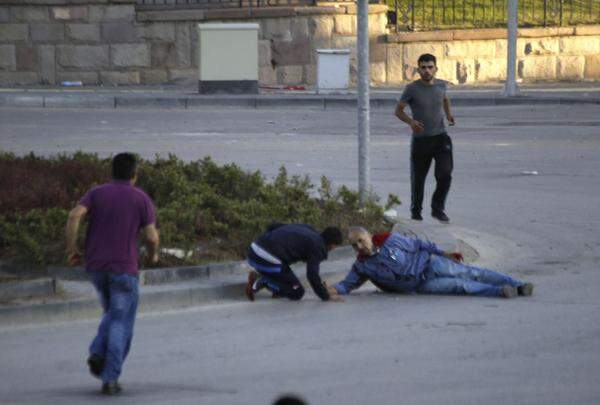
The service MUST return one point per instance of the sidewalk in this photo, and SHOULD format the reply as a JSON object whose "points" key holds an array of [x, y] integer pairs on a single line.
{"points": [[166, 97], [68, 296]]}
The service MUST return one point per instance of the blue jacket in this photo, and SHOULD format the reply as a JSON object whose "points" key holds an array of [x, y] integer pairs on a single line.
{"points": [[397, 266]]}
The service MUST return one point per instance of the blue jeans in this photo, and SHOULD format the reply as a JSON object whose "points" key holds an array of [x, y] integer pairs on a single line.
{"points": [[118, 293], [445, 276], [279, 279]]}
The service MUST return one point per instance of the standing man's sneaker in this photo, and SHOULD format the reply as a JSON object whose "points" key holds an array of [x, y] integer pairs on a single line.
{"points": [[525, 289], [509, 291], [416, 216], [111, 388], [440, 216], [96, 364]]}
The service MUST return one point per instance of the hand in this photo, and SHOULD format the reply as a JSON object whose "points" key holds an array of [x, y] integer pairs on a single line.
{"points": [[451, 120], [74, 257], [417, 126], [333, 294], [335, 297], [455, 256], [152, 260]]}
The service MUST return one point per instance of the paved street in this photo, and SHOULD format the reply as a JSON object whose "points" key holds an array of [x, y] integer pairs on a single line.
{"points": [[372, 348]]}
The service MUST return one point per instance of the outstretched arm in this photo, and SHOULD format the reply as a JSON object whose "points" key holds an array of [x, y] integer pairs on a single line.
{"points": [[73, 254], [312, 274], [351, 282]]}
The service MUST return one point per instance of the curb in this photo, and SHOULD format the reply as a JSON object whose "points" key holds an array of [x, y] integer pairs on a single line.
{"points": [[433, 233], [195, 102], [184, 287], [27, 289], [167, 297]]}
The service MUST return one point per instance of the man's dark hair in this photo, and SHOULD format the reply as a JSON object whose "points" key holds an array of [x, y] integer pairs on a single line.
{"points": [[289, 399], [426, 57], [124, 166], [332, 236]]}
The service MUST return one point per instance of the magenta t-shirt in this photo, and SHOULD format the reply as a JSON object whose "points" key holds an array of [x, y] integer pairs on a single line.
{"points": [[117, 211]]}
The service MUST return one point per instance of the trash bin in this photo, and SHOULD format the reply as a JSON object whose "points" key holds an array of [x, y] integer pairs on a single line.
{"points": [[228, 58], [333, 69]]}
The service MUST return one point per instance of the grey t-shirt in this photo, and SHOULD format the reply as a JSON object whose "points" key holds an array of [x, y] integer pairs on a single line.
{"points": [[427, 105]]}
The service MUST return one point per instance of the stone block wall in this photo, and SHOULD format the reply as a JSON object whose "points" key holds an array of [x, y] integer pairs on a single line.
{"points": [[479, 56], [110, 42], [48, 42]]}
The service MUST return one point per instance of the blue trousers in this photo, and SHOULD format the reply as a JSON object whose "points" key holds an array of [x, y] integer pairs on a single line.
{"points": [[279, 279], [445, 276], [118, 293]]}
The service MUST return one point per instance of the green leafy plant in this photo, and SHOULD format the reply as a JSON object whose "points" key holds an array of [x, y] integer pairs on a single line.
{"points": [[208, 211]]}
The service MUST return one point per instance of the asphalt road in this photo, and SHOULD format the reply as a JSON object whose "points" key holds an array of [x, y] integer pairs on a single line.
{"points": [[372, 348]]}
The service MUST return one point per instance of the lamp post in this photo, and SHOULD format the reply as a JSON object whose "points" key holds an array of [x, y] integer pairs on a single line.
{"points": [[510, 87], [362, 45]]}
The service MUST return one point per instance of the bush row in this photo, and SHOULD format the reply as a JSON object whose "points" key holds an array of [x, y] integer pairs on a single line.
{"points": [[210, 211]]}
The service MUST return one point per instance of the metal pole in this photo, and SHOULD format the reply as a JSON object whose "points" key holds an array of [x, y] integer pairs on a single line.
{"points": [[362, 45], [510, 88]]}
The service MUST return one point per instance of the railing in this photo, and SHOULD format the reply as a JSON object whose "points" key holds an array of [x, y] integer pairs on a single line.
{"points": [[178, 4], [419, 15]]}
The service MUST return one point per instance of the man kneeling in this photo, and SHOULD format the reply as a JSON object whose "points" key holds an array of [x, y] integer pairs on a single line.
{"points": [[399, 264], [282, 245]]}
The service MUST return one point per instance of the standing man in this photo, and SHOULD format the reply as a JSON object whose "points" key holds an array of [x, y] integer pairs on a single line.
{"points": [[117, 211], [282, 245], [428, 103]]}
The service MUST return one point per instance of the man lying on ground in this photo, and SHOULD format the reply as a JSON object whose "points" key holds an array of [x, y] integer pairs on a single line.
{"points": [[282, 245], [398, 264]]}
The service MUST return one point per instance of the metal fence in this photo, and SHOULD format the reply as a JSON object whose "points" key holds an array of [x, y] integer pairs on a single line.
{"points": [[178, 4], [419, 15]]}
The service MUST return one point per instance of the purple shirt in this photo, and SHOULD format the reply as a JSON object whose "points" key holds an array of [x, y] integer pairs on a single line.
{"points": [[117, 211]]}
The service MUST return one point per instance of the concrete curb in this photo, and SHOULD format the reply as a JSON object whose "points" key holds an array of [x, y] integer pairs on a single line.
{"points": [[194, 102], [184, 287], [27, 289], [439, 234], [197, 292]]}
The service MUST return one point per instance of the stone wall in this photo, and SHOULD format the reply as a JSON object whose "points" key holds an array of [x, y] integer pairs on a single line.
{"points": [[469, 56], [109, 42]]}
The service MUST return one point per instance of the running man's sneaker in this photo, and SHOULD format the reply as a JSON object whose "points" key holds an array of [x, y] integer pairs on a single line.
{"points": [[111, 388], [440, 216], [525, 289], [96, 364], [508, 291]]}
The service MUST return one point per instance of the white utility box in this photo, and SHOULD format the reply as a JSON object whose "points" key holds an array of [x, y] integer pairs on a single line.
{"points": [[228, 58], [333, 69]]}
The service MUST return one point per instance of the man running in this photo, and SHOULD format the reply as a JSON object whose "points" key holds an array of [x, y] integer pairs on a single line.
{"points": [[430, 141], [282, 245], [117, 212]]}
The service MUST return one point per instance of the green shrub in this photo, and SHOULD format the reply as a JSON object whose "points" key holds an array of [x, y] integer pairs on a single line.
{"points": [[213, 211]]}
